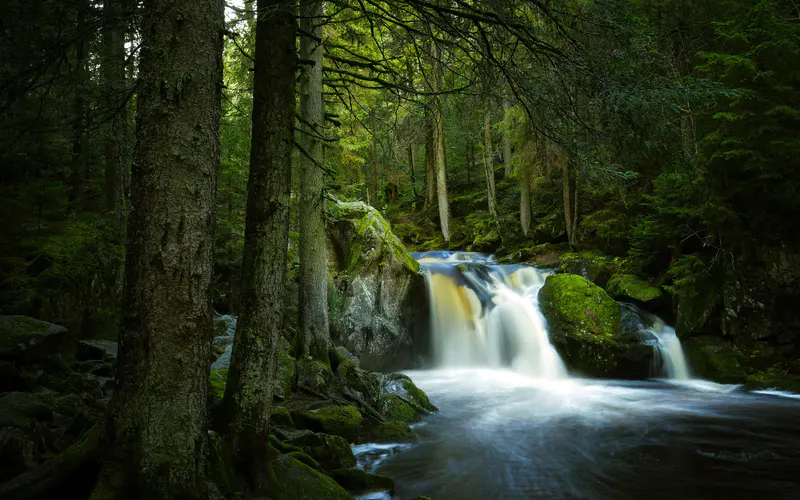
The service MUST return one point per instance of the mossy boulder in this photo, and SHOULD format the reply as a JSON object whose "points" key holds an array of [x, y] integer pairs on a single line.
{"points": [[281, 415], [392, 431], [20, 409], [401, 385], [714, 358], [217, 378], [583, 322], [594, 266], [329, 451], [361, 481], [630, 286], [341, 421], [25, 339], [314, 374], [376, 293], [285, 373], [291, 479], [393, 407]]}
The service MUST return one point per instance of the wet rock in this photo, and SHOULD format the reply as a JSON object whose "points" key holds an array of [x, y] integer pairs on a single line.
{"points": [[26, 339], [393, 407], [314, 374], [97, 349], [360, 481], [401, 385], [281, 416], [377, 298], [714, 358], [630, 286], [12, 378], [20, 409], [329, 451], [291, 479], [392, 431], [341, 421]]}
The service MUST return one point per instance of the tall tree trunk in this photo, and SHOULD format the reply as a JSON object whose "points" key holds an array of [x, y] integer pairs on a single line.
{"points": [[157, 417], [430, 155], [314, 335], [248, 395], [80, 146], [372, 183], [440, 151], [525, 197], [566, 191], [113, 65], [507, 135], [411, 166], [488, 164]]}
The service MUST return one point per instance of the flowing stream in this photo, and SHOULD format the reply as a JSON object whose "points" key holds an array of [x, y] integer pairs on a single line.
{"points": [[513, 425]]}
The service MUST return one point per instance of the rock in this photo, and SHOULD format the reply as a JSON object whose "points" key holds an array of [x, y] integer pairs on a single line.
{"points": [[714, 358], [329, 451], [697, 303], [17, 453], [341, 421], [401, 385], [392, 431], [360, 481], [630, 286], [302, 457], [378, 309], [393, 407], [97, 349], [26, 339], [583, 322], [281, 416], [216, 385], [291, 479], [285, 373], [314, 374], [342, 354], [19, 409], [594, 266]]}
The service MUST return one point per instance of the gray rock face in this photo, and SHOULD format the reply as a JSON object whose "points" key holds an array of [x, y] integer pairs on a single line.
{"points": [[27, 339], [377, 299]]}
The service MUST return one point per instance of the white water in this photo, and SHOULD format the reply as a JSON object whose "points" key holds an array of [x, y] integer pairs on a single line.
{"points": [[484, 314], [670, 352]]}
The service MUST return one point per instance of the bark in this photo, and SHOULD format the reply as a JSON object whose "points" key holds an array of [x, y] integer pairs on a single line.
{"points": [[525, 197], [113, 65], [430, 155], [439, 150], [248, 395], [372, 187], [488, 164], [507, 135], [157, 417], [314, 333], [569, 221], [78, 175], [411, 166]]}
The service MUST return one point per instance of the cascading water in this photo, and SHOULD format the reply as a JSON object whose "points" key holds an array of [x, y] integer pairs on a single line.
{"points": [[487, 314], [669, 361]]}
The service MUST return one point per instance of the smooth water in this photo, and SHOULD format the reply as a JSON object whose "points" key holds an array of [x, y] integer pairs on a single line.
{"points": [[503, 435]]}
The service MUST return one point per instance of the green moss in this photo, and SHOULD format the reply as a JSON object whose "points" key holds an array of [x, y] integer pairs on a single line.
{"points": [[360, 481], [342, 421], [714, 358], [331, 452], [216, 385], [575, 307], [285, 373], [281, 416], [392, 407], [631, 286], [302, 457], [391, 431], [314, 374], [402, 385], [596, 267], [291, 479], [773, 380]]}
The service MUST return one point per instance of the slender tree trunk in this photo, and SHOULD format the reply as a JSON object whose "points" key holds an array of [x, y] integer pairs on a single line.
{"points": [[372, 183], [248, 395], [507, 135], [80, 146], [157, 417], [430, 155], [411, 166], [488, 164], [314, 335], [440, 151], [525, 197], [563, 161], [113, 65]]}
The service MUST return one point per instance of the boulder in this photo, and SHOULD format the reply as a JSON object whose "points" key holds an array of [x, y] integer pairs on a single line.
{"points": [[280, 415], [392, 431], [401, 385], [285, 373], [714, 358], [26, 339], [314, 374], [378, 309], [19, 409], [393, 407], [630, 286], [341, 421], [361, 481], [97, 349], [291, 479], [594, 266], [329, 451]]}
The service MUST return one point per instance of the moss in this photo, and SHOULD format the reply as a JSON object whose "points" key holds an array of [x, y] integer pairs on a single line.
{"points": [[596, 267], [342, 421], [392, 431], [773, 380], [281, 416], [360, 481], [402, 385], [393, 407], [285, 373], [714, 358], [302, 457], [631, 286], [573, 306], [314, 374], [331, 452], [291, 479], [216, 385]]}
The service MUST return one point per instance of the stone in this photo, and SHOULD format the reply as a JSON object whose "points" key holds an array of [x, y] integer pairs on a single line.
{"points": [[378, 310], [314, 374], [392, 431], [343, 421], [97, 349], [360, 481], [401, 385], [329, 451], [285, 373], [594, 266], [281, 415], [291, 479], [27, 339], [16, 453], [393, 407], [630, 286], [20, 409], [714, 358]]}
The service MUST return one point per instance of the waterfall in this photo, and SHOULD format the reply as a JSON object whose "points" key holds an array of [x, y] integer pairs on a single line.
{"points": [[487, 314], [669, 352]]}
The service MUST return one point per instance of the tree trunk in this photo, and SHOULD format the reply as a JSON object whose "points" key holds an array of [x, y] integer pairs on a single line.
{"points": [[157, 417], [488, 164], [563, 160], [507, 135], [440, 151], [248, 394], [430, 155], [80, 146], [411, 162], [113, 65], [372, 182], [314, 335], [525, 197]]}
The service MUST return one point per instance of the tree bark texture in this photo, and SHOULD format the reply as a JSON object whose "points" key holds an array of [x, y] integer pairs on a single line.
{"points": [[113, 65], [248, 395], [566, 182], [314, 332], [157, 418], [507, 135], [372, 183], [440, 158], [525, 197], [80, 143], [430, 154], [488, 164], [411, 165]]}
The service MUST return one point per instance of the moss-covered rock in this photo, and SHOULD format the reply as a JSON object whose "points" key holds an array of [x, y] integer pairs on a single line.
{"points": [[393, 407], [281, 416], [314, 374], [594, 266], [360, 481], [20, 409], [285, 372], [341, 421], [217, 379], [583, 322], [633, 287], [331, 452], [27, 339], [392, 431], [291, 479], [714, 358], [306, 459], [401, 385]]}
